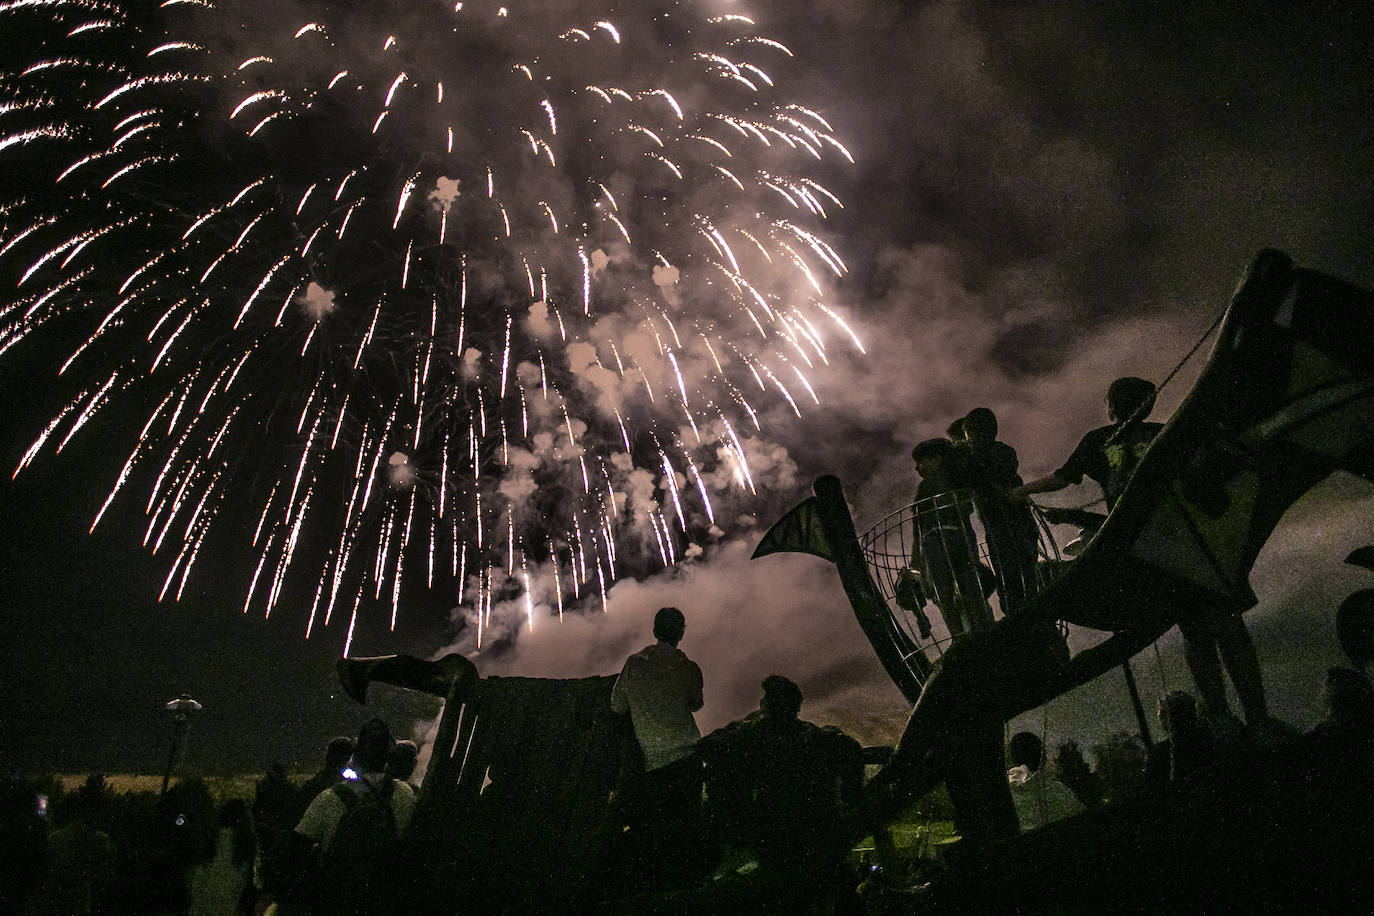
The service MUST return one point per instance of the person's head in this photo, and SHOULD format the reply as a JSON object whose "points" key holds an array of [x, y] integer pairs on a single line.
{"points": [[669, 625], [373, 747], [782, 698], [1178, 712], [955, 431], [1348, 695], [337, 753], [234, 813], [929, 454], [980, 425], [401, 763], [236, 816], [1026, 750], [1129, 397]]}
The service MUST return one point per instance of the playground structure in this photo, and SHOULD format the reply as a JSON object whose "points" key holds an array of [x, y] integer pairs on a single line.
{"points": [[1287, 398]]}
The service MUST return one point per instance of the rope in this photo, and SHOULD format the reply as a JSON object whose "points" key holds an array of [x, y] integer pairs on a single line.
{"points": [[1143, 410], [1216, 323], [1205, 334]]}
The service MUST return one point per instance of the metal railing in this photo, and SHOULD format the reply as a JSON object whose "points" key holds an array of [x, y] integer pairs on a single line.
{"points": [[951, 564]]}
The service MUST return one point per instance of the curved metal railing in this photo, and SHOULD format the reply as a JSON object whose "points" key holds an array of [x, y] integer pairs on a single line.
{"points": [[954, 563]]}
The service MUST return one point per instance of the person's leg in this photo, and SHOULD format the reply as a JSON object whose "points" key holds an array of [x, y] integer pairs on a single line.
{"points": [[938, 574], [1200, 653], [1238, 651], [977, 784], [1013, 550]]}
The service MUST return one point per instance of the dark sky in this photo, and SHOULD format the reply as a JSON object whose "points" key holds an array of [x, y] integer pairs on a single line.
{"points": [[1046, 196]]}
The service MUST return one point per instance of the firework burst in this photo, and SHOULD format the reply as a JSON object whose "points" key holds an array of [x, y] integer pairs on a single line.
{"points": [[456, 292]]}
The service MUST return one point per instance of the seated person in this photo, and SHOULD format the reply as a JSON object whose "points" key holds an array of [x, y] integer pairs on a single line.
{"points": [[777, 785], [1342, 744], [1039, 798], [945, 548], [1189, 751]]}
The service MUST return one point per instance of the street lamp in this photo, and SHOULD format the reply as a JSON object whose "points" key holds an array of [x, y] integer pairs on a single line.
{"points": [[181, 709]]}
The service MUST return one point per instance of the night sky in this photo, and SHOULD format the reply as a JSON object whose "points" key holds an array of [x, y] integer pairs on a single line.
{"points": [[1045, 197]]}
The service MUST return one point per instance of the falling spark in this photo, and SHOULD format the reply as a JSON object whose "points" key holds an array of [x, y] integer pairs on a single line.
{"points": [[281, 287]]}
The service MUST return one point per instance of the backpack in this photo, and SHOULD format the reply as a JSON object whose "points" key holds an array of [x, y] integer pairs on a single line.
{"points": [[356, 864]]}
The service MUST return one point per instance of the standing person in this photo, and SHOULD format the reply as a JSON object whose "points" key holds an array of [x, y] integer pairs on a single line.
{"points": [[1188, 750], [81, 857], [1109, 455], [354, 828], [222, 879], [1013, 539], [945, 549], [659, 688], [275, 814], [336, 755], [401, 763]]}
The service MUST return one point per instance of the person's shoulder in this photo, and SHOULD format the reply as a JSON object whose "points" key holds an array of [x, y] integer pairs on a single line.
{"points": [[638, 658], [1097, 435], [325, 808], [664, 653], [402, 795], [838, 737], [998, 450], [329, 796]]}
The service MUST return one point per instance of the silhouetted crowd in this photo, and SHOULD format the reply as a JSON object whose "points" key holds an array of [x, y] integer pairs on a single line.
{"points": [[770, 796]]}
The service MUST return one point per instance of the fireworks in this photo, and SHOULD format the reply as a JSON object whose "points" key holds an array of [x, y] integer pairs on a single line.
{"points": [[417, 290]]}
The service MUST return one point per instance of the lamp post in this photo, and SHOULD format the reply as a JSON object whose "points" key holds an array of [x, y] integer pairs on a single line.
{"points": [[181, 709]]}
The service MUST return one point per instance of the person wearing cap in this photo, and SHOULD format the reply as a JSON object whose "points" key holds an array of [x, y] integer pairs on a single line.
{"points": [[347, 836]]}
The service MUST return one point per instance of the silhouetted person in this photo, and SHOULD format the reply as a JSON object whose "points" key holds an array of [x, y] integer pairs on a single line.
{"points": [[336, 755], [945, 547], [660, 688], [1013, 538], [1039, 798], [222, 879], [356, 825], [1189, 751], [1342, 745], [81, 858], [1109, 456], [275, 814], [24, 837], [778, 785], [401, 763], [1072, 769]]}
